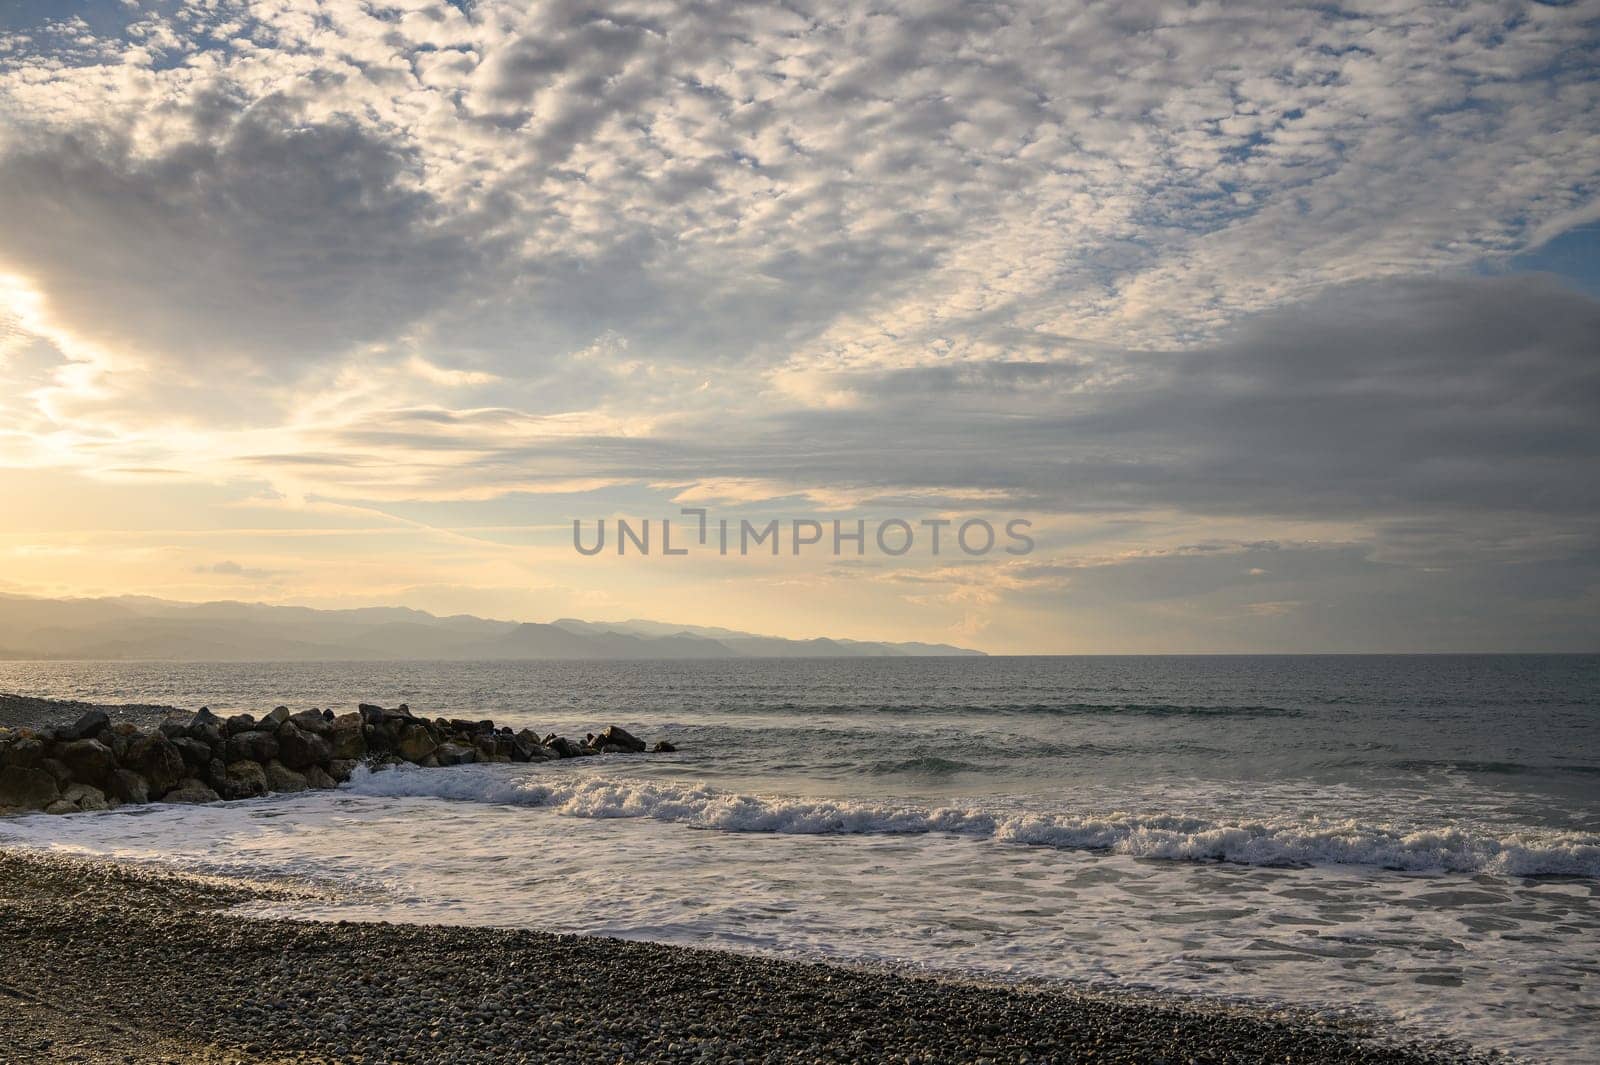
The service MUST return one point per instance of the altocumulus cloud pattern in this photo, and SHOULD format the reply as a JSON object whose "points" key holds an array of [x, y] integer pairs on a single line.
{"points": [[1247, 290]]}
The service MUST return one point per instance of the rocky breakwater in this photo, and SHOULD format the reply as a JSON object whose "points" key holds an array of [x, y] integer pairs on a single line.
{"points": [[95, 764]]}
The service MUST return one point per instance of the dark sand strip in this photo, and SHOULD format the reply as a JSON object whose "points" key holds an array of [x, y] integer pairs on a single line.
{"points": [[101, 963], [29, 711]]}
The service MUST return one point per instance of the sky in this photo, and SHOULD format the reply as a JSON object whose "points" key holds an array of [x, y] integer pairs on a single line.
{"points": [[1278, 324]]}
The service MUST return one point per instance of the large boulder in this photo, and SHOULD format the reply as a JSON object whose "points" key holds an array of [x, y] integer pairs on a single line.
{"points": [[566, 748], [191, 790], [274, 721], [415, 743], [617, 736], [493, 747], [174, 724], [245, 780], [318, 778], [378, 716], [89, 760], [207, 727], [216, 776], [525, 747], [461, 726], [238, 723], [157, 759], [85, 727], [347, 736], [25, 751], [124, 785], [196, 753], [377, 738], [118, 736], [56, 769], [281, 778], [26, 788], [454, 754], [311, 721], [82, 797], [299, 749], [252, 746], [341, 769]]}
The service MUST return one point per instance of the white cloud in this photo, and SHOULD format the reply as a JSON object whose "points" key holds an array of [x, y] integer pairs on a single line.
{"points": [[900, 254]]}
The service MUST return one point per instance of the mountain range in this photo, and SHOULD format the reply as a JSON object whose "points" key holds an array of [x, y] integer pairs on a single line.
{"points": [[137, 627]]}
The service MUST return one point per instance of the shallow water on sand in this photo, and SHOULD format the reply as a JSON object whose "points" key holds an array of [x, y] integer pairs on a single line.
{"points": [[1499, 961], [1417, 840]]}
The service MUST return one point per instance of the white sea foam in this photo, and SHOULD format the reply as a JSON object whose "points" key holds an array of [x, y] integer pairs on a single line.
{"points": [[560, 847], [1310, 841]]}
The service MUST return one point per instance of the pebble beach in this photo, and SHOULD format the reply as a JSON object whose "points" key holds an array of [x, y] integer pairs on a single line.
{"points": [[104, 963], [126, 937]]}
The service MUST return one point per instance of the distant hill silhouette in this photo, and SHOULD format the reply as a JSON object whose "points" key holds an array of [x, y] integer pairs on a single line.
{"points": [[136, 627]]}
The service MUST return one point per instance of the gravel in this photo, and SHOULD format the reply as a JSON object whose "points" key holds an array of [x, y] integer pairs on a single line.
{"points": [[28, 711], [107, 963]]}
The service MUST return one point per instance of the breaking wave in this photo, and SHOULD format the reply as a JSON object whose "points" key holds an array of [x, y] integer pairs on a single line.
{"points": [[1311, 841], [1496, 768], [927, 765], [1079, 709]]}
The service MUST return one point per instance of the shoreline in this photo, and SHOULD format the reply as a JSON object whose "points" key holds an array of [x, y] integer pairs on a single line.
{"points": [[103, 962]]}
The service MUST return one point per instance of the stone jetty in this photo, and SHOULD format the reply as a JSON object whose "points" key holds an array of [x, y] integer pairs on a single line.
{"points": [[95, 764]]}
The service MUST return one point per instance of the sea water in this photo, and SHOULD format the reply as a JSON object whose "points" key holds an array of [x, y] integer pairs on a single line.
{"points": [[1408, 841]]}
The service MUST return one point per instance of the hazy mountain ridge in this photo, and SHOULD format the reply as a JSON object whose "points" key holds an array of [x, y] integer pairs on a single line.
{"points": [[136, 627]]}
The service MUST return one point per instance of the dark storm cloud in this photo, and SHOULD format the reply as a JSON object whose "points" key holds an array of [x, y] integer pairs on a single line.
{"points": [[264, 243], [1418, 394], [1389, 401], [1374, 399]]}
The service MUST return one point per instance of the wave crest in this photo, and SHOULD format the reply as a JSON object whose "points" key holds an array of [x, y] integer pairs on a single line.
{"points": [[1078, 709], [1270, 843]]}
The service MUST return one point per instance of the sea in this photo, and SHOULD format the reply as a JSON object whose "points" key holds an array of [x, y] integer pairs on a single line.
{"points": [[1406, 844]]}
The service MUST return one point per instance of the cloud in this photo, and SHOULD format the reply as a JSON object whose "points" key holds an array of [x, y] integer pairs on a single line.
{"points": [[265, 247], [1401, 398], [835, 185], [1459, 397], [230, 568], [1145, 261]]}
